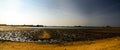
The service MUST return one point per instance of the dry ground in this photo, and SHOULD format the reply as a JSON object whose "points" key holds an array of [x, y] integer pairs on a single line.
{"points": [[105, 44]]}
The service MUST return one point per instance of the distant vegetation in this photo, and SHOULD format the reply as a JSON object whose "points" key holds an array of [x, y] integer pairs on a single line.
{"points": [[37, 25], [23, 25], [2, 24], [55, 26]]}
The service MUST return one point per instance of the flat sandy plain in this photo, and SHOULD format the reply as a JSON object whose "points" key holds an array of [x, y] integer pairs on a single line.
{"points": [[97, 43]]}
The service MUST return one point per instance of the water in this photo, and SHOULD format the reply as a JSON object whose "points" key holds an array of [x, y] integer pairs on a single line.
{"points": [[58, 27]]}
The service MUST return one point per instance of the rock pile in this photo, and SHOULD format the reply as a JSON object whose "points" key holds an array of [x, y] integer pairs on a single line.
{"points": [[54, 35], [16, 35], [24, 36]]}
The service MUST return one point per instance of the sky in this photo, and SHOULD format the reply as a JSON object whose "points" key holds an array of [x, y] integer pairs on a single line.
{"points": [[61, 12]]}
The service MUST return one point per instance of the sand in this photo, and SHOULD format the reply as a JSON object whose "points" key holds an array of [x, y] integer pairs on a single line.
{"points": [[105, 44]]}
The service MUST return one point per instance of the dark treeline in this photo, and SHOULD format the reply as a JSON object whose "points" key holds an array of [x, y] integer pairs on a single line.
{"points": [[23, 25], [52, 26]]}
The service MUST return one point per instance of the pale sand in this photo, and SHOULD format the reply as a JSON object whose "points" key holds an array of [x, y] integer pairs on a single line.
{"points": [[105, 44]]}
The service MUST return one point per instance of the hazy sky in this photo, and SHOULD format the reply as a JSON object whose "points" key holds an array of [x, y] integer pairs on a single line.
{"points": [[60, 12]]}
